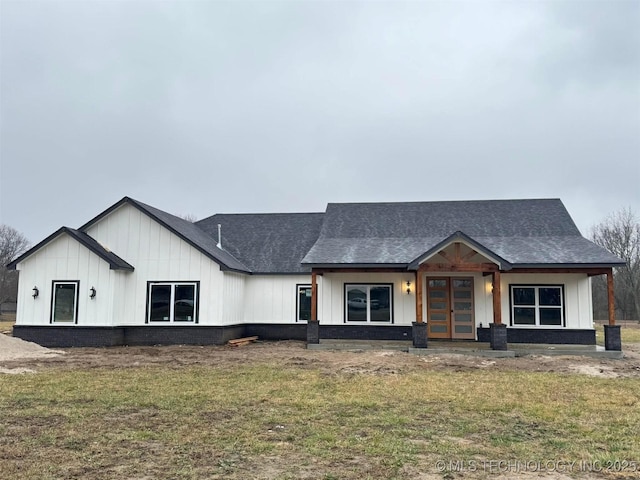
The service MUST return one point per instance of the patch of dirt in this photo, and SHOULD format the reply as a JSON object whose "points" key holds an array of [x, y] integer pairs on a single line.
{"points": [[12, 348], [15, 354]]}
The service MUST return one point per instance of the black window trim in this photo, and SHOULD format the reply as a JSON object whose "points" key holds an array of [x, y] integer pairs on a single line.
{"points": [[77, 301], [367, 322], [561, 286], [173, 283], [298, 287]]}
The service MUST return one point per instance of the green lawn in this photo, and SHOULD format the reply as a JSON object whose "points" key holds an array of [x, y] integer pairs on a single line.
{"points": [[266, 421]]}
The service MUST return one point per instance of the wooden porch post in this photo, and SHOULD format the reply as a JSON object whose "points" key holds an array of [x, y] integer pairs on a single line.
{"points": [[497, 303], [314, 297], [418, 297], [612, 308]]}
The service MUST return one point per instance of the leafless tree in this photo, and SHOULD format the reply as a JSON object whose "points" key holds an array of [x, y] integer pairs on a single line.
{"points": [[189, 217], [12, 244], [620, 234]]}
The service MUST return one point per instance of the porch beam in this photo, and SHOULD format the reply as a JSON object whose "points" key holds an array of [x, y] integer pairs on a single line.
{"points": [[456, 249], [314, 296], [446, 256], [419, 297], [461, 267], [468, 256], [320, 271], [610, 295], [497, 303], [588, 271]]}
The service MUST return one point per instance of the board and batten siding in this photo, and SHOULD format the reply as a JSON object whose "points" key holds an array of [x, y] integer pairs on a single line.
{"points": [[157, 255], [578, 309], [272, 298], [64, 259], [331, 305], [233, 298]]}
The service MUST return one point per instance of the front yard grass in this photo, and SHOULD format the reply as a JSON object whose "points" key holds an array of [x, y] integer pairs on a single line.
{"points": [[270, 421], [629, 333]]}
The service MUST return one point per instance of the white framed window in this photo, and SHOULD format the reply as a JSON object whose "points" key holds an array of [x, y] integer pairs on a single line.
{"points": [[64, 301], [368, 303], [303, 303], [170, 302], [537, 305]]}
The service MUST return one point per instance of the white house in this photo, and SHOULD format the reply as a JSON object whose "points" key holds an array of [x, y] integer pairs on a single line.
{"points": [[494, 271]]}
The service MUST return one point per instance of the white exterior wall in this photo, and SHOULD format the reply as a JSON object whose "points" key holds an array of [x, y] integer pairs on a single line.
{"points": [[331, 303], [233, 295], [577, 296], [157, 255], [64, 259], [272, 298], [227, 298]]}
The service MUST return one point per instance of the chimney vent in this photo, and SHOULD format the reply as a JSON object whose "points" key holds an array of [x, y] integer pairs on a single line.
{"points": [[219, 237]]}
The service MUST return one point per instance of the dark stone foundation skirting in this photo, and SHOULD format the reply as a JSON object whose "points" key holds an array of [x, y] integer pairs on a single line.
{"points": [[553, 336], [78, 336], [366, 332]]}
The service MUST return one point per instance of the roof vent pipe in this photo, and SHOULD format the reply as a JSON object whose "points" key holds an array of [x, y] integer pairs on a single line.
{"points": [[219, 237]]}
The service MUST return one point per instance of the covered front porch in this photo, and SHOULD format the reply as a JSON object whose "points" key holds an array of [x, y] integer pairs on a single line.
{"points": [[461, 293]]}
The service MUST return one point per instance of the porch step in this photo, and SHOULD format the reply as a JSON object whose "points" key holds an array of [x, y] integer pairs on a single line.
{"points": [[596, 351], [479, 352], [345, 344], [481, 349]]}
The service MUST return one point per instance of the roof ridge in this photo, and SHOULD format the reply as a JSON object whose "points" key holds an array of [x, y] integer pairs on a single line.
{"points": [[488, 200]]}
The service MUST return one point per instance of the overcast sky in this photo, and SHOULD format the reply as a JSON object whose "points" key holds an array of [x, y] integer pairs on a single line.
{"points": [[222, 107]]}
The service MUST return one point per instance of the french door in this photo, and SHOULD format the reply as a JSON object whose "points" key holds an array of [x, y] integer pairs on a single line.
{"points": [[450, 308]]}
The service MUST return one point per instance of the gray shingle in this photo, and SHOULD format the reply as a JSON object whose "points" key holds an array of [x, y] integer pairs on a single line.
{"points": [[532, 232], [267, 243]]}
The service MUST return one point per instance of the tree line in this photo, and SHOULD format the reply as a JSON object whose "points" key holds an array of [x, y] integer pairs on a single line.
{"points": [[620, 234]]}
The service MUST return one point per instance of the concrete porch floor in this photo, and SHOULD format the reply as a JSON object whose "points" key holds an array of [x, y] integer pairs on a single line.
{"points": [[439, 347]]}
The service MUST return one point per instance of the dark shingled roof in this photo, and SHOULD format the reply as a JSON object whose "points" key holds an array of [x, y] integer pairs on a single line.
{"points": [[526, 232], [186, 230], [114, 261], [269, 242], [510, 232]]}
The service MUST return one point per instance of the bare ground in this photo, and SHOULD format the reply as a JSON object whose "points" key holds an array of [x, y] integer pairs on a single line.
{"points": [[33, 358]]}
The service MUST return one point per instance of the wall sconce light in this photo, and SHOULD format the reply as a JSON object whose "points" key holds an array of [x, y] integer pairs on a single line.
{"points": [[408, 287], [36, 292], [92, 293]]}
